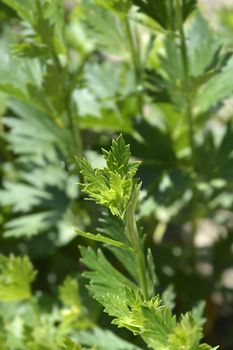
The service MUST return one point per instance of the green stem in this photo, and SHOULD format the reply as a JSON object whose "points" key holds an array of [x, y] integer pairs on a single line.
{"points": [[133, 236], [189, 114], [135, 56], [191, 130], [142, 271], [74, 130], [132, 50], [139, 257], [185, 62]]}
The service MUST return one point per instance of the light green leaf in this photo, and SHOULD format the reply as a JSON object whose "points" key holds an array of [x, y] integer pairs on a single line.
{"points": [[186, 334], [25, 8], [119, 6], [30, 224], [69, 344], [104, 340], [69, 293], [107, 34], [111, 186], [202, 45], [21, 197], [103, 276], [216, 89], [100, 238], [16, 276]]}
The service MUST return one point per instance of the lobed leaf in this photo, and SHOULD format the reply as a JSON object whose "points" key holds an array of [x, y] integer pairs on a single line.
{"points": [[16, 276]]}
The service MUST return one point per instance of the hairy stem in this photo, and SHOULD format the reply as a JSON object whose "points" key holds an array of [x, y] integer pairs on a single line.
{"points": [[138, 255], [133, 236]]}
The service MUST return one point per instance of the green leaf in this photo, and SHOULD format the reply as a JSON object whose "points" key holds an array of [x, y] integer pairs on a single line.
{"points": [[25, 8], [30, 224], [215, 90], [34, 133], [121, 7], [69, 293], [47, 21], [186, 334], [69, 344], [16, 276], [197, 313], [158, 323], [168, 297], [202, 45], [118, 159], [107, 34], [104, 340], [14, 192], [111, 186], [114, 227], [164, 11], [103, 276], [13, 76], [100, 238], [153, 321]]}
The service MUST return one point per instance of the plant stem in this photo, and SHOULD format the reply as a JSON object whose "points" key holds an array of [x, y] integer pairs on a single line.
{"points": [[185, 62], [189, 114], [74, 130], [133, 236], [135, 56], [139, 256]]}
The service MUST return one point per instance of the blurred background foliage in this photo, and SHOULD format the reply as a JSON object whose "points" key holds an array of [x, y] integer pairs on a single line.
{"points": [[73, 75]]}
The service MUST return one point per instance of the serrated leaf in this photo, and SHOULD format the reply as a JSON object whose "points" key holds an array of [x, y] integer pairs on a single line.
{"points": [[107, 34], [118, 158], [69, 344], [100, 238], [16, 276], [103, 276], [202, 45], [186, 334], [119, 6], [168, 297], [215, 90], [30, 224], [164, 12], [25, 8], [34, 133], [104, 340], [111, 186], [69, 293]]}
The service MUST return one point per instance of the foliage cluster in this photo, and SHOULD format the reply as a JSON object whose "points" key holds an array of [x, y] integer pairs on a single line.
{"points": [[73, 76]]}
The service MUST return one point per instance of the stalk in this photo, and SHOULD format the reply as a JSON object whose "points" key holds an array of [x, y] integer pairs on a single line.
{"points": [[74, 130], [134, 238], [135, 56], [189, 114], [185, 62], [138, 254]]}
